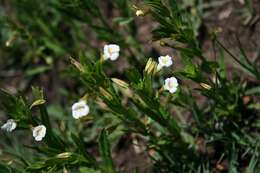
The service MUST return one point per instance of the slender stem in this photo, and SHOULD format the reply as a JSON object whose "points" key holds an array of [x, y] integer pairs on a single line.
{"points": [[237, 60]]}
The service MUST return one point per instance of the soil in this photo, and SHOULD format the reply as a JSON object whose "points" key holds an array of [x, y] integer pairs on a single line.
{"points": [[228, 19]]}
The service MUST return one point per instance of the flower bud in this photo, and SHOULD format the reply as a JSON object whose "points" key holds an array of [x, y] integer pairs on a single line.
{"points": [[120, 83], [106, 94], [76, 64], [64, 155], [205, 86], [151, 67]]}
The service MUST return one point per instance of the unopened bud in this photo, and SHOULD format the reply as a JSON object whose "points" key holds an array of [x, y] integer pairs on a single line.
{"points": [[64, 155], [76, 64], [205, 86], [162, 43], [105, 93], [11, 39], [37, 102], [120, 82], [151, 66]]}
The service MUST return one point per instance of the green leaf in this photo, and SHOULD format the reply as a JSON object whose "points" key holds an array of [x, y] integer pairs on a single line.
{"points": [[123, 20], [209, 66], [252, 165], [16, 107], [37, 102], [104, 149], [5, 169], [254, 106], [37, 70], [52, 139], [88, 170], [45, 117], [80, 146], [134, 76], [252, 91]]}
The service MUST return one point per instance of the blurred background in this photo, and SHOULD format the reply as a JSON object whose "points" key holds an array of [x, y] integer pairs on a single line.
{"points": [[38, 37]]}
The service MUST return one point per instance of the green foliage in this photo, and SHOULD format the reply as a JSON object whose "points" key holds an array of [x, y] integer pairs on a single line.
{"points": [[106, 153], [211, 124]]}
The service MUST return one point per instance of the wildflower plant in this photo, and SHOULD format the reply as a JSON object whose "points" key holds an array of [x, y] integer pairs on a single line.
{"points": [[195, 118]]}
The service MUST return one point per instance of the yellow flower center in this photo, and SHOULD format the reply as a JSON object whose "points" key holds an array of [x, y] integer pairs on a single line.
{"points": [[164, 60], [110, 50], [171, 84]]}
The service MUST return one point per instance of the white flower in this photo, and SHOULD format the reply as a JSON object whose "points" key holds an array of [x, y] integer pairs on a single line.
{"points": [[9, 126], [164, 61], [171, 84], [80, 109], [39, 132], [111, 51]]}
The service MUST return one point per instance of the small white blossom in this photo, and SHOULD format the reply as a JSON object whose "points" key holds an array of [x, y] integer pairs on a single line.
{"points": [[111, 51], [164, 61], [171, 84], [9, 126], [80, 109], [39, 132]]}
